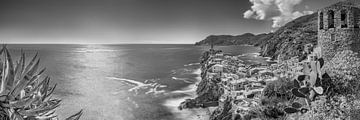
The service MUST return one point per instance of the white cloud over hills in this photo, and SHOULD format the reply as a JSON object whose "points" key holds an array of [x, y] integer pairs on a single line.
{"points": [[279, 11]]}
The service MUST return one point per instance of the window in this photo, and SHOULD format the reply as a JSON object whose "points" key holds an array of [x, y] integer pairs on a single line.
{"points": [[321, 25], [356, 19], [331, 19], [344, 19]]}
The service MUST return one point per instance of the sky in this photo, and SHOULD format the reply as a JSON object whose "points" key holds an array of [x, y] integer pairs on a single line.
{"points": [[143, 21]]}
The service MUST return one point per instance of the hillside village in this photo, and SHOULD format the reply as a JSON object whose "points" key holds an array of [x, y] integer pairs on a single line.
{"points": [[320, 84]]}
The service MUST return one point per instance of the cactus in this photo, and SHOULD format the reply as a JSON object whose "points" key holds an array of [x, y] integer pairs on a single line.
{"points": [[295, 91], [24, 93], [291, 110], [297, 84], [296, 105], [315, 86]]}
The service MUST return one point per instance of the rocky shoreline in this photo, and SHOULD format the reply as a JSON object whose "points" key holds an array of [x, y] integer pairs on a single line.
{"points": [[313, 79], [220, 87], [290, 89]]}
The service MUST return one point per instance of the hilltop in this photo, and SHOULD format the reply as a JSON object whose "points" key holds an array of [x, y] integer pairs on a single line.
{"points": [[247, 38]]}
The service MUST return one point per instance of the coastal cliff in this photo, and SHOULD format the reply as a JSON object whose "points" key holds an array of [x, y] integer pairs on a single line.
{"points": [[309, 81], [289, 40], [286, 42]]}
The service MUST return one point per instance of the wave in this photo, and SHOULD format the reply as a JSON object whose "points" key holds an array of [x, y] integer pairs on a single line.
{"points": [[182, 79], [190, 90], [187, 114], [148, 86], [192, 64]]}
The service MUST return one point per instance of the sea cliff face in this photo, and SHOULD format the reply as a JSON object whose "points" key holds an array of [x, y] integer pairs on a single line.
{"points": [[289, 40]]}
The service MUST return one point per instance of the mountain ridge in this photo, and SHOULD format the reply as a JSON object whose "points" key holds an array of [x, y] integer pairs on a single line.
{"points": [[286, 42]]}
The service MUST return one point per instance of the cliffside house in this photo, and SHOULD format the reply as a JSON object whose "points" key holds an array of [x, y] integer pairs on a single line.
{"points": [[218, 68], [216, 61]]}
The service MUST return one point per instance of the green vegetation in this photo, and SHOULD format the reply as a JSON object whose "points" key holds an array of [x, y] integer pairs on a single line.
{"points": [[25, 94]]}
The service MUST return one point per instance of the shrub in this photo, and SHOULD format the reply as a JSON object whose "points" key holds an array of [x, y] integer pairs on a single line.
{"points": [[25, 92]]}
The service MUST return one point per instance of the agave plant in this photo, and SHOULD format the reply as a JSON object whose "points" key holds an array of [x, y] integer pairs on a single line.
{"points": [[25, 94]]}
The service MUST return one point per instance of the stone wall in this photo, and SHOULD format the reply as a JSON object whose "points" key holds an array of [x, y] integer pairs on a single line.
{"points": [[334, 40], [345, 33]]}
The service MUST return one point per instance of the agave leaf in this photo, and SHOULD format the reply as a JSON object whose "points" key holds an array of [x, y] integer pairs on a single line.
{"points": [[10, 71], [43, 108], [33, 69], [41, 71], [16, 116], [291, 110], [50, 117], [16, 72], [23, 61], [38, 86], [296, 105], [296, 92], [48, 94], [3, 78], [19, 68], [21, 85], [47, 115], [75, 116], [30, 65], [20, 103], [44, 90]]}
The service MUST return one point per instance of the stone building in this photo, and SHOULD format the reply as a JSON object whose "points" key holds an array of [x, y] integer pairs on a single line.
{"points": [[338, 28]]}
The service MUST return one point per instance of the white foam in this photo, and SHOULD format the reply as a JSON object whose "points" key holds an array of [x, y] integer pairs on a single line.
{"points": [[192, 64], [151, 87], [186, 114], [190, 90], [182, 79]]}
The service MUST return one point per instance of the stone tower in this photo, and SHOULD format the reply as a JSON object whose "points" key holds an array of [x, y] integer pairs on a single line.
{"points": [[338, 28]]}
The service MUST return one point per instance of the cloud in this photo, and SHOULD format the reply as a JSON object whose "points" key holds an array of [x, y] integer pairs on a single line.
{"points": [[279, 11]]}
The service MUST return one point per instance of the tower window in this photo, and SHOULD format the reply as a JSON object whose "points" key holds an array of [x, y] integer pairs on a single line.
{"points": [[331, 19], [344, 19], [356, 19], [321, 25]]}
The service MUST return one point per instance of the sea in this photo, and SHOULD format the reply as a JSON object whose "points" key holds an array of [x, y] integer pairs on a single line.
{"points": [[126, 81]]}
